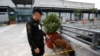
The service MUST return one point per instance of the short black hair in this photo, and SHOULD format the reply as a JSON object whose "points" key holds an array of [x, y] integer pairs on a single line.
{"points": [[37, 10]]}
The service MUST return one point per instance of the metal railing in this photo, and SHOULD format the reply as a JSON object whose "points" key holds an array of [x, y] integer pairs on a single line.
{"points": [[90, 37]]}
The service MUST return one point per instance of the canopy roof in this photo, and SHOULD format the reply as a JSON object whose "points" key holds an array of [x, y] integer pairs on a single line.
{"points": [[24, 2], [56, 9], [5, 8]]}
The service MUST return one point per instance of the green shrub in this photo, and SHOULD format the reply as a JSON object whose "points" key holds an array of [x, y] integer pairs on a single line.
{"points": [[51, 23], [12, 18]]}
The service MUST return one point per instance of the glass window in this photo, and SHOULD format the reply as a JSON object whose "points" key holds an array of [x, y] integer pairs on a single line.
{"points": [[24, 12]]}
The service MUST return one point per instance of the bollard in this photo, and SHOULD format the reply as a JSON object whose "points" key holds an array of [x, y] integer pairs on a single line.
{"points": [[61, 28], [95, 41]]}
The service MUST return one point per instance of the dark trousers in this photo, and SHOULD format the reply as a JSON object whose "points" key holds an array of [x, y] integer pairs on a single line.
{"points": [[41, 48]]}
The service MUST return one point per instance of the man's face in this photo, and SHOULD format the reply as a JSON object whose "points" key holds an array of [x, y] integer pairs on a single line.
{"points": [[37, 16]]}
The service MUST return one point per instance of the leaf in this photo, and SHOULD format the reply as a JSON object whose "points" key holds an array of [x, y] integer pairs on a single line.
{"points": [[51, 23]]}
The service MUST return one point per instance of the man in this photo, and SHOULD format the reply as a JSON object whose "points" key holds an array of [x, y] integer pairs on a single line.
{"points": [[35, 34]]}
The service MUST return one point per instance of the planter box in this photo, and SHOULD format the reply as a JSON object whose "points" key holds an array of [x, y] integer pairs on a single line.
{"points": [[53, 37], [12, 22]]}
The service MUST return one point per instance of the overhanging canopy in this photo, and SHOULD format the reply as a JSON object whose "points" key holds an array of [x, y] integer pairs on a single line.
{"points": [[6, 8], [23, 2], [71, 10]]}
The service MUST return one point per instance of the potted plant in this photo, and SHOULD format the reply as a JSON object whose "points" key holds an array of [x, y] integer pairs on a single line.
{"points": [[76, 19], [51, 25], [93, 11], [77, 14], [12, 19]]}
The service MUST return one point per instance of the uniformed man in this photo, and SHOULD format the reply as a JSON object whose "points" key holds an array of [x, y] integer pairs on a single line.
{"points": [[35, 33]]}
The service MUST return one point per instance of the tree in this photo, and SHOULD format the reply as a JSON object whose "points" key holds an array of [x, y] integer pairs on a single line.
{"points": [[93, 10], [77, 14]]}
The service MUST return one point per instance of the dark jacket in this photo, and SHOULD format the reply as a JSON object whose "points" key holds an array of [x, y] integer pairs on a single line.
{"points": [[35, 34]]}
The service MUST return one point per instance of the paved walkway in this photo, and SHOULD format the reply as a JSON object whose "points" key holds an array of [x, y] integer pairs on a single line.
{"points": [[13, 41]]}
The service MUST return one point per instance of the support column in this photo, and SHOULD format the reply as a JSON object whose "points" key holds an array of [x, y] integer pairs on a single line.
{"points": [[82, 16], [16, 5], [59, 14], [31, 6], [96, 15], [46, 13], [71, 16], [88, 16], [95, 41], [8, 13]]}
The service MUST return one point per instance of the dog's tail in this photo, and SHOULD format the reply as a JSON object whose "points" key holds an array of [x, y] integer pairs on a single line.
{"points": [[71, 53]]}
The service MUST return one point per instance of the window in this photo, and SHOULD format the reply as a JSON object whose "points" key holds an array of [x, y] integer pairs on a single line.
{"points": [[2, 13]]}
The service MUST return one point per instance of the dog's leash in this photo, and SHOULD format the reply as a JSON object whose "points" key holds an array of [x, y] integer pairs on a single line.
{"points": [[61, 52], [65, 51], [57, 53], [50, 40]]}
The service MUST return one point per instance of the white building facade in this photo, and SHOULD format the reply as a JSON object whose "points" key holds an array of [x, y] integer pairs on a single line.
{"points": [[53, 3], [65, 4]]}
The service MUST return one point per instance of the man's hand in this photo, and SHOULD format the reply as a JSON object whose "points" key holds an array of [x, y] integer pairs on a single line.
{"points": [[37, 50], [47, 37]]}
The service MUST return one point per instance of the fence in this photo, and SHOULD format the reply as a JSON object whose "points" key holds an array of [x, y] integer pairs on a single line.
{"points": [[88, 36]]}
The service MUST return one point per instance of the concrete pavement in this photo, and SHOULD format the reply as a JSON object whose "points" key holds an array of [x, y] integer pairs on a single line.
{"points": [[13, 41]]}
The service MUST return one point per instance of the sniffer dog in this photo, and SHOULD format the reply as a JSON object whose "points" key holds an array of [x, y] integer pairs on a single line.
{"points": [[64, 45], [57, 41]]}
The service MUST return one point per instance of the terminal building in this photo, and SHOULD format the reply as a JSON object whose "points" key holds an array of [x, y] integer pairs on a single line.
{"points": [[5, 13], [22, 9]]}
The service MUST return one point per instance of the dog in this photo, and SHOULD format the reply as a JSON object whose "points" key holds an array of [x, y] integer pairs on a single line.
{"points": [[57, 41], [64, 45]]}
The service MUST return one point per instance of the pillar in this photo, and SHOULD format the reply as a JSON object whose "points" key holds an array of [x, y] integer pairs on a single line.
{"points": [[88, 16], [71, 16]]}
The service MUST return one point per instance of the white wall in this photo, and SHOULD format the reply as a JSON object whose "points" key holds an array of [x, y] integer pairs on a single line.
{"points": [[64, 4], [98, 16], [48, 3], [73, 16], [92, 16], [63, 17], [52, 3], [81, 5], [43, 16], [7, 3], [85, 16], [3, 16]]}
